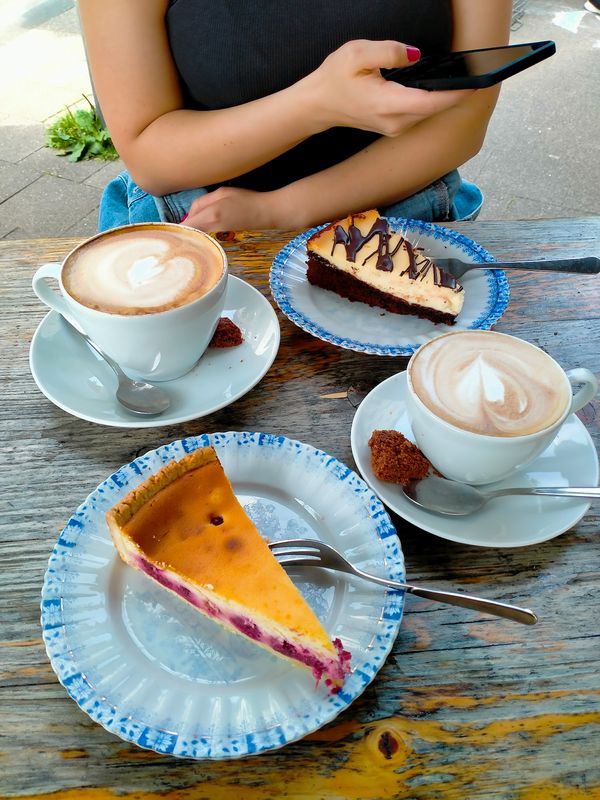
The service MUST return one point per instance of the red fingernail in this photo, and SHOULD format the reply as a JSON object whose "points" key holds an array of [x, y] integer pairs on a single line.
{"points": [[183, 219], [413, 53]]}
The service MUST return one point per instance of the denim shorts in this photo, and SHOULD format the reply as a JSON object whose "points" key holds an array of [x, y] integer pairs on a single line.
{"points": [[123, 202]]}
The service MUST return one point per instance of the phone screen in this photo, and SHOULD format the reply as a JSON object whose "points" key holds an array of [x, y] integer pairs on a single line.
{"points": [[475, 63], [471, 68]]}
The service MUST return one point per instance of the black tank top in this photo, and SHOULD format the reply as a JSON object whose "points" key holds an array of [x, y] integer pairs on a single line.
{"points": [[233, 51]]}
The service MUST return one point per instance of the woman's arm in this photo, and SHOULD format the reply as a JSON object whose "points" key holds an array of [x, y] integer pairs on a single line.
{"points": [[388, 170], [167, 148], [393, 168]]}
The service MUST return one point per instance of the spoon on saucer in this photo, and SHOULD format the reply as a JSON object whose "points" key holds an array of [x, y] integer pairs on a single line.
{"points": [[457, 499], [136, 396]]}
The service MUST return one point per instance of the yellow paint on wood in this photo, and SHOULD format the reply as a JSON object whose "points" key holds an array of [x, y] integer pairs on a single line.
{"points": [[73, 754], [22, 643], [426, 700], [556, 791], [384, 760]]}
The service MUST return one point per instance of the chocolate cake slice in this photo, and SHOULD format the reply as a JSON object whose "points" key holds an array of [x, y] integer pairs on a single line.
{"points": [[362, 259]]}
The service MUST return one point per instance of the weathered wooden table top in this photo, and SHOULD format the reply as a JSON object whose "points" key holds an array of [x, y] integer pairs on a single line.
{"points": [[466, 706]]}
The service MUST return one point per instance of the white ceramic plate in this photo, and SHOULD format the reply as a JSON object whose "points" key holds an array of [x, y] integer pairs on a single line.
{"points": [[75, 379], [571, 460], [152, 670], [359, 327]]}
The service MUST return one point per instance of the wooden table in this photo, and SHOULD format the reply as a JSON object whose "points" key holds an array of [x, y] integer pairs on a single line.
{"points": [[467, 706]]}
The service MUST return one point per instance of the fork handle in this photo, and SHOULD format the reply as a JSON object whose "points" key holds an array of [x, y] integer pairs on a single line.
{"points": [[584, 265], [523, 615]]}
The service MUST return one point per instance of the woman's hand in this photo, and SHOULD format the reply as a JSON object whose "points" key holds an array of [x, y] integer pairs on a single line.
{"points": [[348, 90], [232, 209]]}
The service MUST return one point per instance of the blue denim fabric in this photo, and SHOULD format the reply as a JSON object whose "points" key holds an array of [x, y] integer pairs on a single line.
{"points": [[123, 202], [450, 198]]}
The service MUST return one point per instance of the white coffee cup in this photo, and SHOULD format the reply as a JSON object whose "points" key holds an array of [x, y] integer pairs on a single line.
{"points": [[513, 395], [159, 336]]}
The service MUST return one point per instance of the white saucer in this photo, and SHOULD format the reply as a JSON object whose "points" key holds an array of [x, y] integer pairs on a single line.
{"points": [[571, 460], [78, 381]]}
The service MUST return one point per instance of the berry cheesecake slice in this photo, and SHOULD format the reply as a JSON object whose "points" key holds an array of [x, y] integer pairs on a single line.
{"points": [[362, 259], [185, 529]]}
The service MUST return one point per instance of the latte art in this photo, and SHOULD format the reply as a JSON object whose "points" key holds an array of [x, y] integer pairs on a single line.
{"points": [[489, 384], [142, 271]]}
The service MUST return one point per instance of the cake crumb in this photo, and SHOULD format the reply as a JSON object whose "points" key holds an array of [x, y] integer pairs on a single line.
{"points": [[227, 334], [395, 459]]}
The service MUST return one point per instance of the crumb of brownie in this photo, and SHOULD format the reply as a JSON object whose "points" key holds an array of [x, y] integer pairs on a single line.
{"points": [[395, 459], [227, 334]]}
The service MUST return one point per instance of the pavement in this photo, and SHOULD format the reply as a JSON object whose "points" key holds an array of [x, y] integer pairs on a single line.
{"points": [[540, 159]]}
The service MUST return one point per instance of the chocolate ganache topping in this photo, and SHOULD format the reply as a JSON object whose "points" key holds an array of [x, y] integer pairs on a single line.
{"points": [[419, 264]]}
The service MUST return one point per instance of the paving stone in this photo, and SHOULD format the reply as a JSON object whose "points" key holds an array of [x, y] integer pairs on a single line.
{"points": [[52, 15], [85, 227], [542, 150], [105, 174], [7, 231], [48, 70], [16, 234], [46, 161], [13, 178], [48, 207], [19, 141], [515, 207]]}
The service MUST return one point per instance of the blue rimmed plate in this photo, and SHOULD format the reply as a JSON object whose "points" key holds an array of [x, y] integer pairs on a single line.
{"points": [[153, 671], [359, 327]]}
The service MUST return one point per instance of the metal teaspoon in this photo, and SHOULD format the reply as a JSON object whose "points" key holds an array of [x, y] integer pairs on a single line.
{"points": [[136, 396], [452, 497]]}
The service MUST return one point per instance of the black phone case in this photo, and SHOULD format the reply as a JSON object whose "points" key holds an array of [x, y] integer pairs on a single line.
{"points": [[413, 77]]}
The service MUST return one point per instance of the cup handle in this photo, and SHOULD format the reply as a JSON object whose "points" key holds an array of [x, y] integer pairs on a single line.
{"points": [[46, 294], [589, 388]]}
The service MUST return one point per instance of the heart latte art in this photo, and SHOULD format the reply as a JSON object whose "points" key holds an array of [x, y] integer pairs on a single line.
{"points": [[490, 384], [143, 271]]}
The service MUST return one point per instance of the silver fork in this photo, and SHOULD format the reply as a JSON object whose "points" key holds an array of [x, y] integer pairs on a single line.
{"points": [[309, 552], [586, 265]]}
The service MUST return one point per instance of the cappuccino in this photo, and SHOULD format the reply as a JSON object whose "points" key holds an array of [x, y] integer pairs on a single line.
{"points": [[143, 269], [489, 383]]}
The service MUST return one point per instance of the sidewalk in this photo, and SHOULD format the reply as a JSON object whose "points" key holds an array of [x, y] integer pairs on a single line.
{"points": [[41, 193], [541, 156]]}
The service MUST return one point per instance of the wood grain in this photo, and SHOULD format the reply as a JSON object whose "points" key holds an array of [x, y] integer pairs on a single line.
{"points": [[466, 706]]}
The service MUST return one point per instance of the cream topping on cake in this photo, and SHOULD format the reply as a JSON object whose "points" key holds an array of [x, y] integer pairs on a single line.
{"points": [[366, 248]]}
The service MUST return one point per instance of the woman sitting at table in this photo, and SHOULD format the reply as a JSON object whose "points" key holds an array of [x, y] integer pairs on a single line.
{"points": [[275, 115]]}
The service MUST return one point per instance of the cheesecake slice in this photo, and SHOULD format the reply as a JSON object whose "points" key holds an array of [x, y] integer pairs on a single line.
{"points": [[185, 529], [362, 259]]}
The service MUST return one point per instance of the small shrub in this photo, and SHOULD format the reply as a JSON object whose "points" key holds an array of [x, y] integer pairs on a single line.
{"points": [[80, 135]]}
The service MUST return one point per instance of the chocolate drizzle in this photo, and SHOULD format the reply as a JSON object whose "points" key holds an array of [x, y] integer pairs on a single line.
{"points": [[353, 240], [419, 264]]}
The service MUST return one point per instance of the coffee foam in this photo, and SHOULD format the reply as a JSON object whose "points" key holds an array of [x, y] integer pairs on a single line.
{"points": [[489, 384], [142, 271]]}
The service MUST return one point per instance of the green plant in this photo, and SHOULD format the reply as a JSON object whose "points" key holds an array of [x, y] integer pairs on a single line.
{"points": [[80, 135]]}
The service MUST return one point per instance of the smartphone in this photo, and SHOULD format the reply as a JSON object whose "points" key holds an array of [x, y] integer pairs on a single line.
{"points": [[471, 69]]}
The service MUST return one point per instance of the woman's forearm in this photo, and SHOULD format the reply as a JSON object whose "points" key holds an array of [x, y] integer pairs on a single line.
{"points": [[391, 168], [185, 149]]}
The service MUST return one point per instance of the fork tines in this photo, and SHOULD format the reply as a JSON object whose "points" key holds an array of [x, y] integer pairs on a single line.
{"points": [[287, 551]]}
